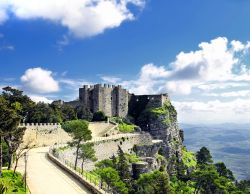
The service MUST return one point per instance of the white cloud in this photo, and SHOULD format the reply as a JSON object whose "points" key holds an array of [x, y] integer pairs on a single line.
{"points": [[38, 80], [111, 79], [178, 87], [237, 110], [40, 99], [74, 84], [240, 93], [216, 62], [221, 85], [84, 18], [3, 10]]}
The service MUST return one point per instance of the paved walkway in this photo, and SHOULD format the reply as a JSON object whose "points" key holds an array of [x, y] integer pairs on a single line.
{"points": [[44, 177]]}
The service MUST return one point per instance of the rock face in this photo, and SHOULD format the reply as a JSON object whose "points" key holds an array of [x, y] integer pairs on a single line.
{"points": [[161, 123]]}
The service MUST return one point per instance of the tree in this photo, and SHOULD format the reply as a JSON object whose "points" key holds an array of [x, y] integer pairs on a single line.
{"points": [[223, 171], [13, 141], [84, 113], [203, 156], [79, 130], [105, 163], [87, 152], [23, 148], [244, 186], [155, 182], [68, 113], [123, 167], [208, 181], [43, 113], [16, 98], [112, 178], [9, 121], [99, 116]]}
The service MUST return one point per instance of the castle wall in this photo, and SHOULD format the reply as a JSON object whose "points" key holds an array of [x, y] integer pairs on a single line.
{"points": [[106, 105], [114, 100], [156, 100], [122, 99], [96, 98], [44, 134], [101, 152]]}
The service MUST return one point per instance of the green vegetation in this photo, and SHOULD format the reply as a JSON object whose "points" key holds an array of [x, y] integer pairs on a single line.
{"points": [[123, 125], [203, 156], [14, 107], [11, 183], [87, 152], [126, 128], [112, 178], [115, 172], [188, 158], [187, 176], [153, 182], [132, 158], [79, 130], [167, 110], [99, 116]]}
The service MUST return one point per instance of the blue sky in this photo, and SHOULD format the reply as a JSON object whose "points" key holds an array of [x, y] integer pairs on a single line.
{"points": [[197, 51]]}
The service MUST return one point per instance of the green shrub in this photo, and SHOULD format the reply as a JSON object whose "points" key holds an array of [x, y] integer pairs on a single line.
{"points": [[99, 116], [126, 128], [12, 183], [132, 158], [188, 158]]}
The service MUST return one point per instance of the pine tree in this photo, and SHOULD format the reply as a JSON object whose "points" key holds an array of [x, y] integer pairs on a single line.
{"points": [[123, 167]]}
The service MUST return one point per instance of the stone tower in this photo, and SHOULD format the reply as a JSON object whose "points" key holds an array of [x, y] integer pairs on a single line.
{"points": [[112, 100]]}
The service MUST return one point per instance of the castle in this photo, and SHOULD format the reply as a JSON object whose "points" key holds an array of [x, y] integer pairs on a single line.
{"points": [[114, 100]]}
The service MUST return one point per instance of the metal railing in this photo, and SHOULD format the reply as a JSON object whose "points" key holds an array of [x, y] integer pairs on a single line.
{"points": [[86, 176]]}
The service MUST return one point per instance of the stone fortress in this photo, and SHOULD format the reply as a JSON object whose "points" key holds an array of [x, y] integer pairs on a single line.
{"points": [[157, 130], [114, 101]]}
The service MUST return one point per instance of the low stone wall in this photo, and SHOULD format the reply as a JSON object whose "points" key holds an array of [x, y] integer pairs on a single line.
{"points": [[44, 134], [93, 188], [106, 147]]}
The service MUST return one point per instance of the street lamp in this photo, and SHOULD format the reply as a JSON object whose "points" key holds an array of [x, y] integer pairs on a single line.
{"points": [[25, 169]]}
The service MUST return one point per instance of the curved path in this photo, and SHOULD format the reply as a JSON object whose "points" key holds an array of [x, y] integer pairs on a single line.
{"points": [[44, 177]]}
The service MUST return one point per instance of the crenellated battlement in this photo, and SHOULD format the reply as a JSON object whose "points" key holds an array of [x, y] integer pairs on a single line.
{"points": [[39, 124], [90, 87], [113, 100]]}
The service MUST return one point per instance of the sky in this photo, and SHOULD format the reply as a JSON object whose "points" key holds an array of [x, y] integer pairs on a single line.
{"points": [[196, 51]]}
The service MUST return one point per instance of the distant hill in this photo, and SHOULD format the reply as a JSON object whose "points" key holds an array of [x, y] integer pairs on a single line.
{"points": [[228, 142]]}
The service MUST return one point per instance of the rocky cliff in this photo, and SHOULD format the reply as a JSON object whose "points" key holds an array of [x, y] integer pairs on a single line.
{"points": [[161, 123]]}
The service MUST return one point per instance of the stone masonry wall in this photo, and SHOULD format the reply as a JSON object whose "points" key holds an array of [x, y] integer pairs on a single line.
{"points": [[42, 134], [106, 148], [112, 100]]}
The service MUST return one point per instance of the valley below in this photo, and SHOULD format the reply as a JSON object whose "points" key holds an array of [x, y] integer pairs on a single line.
{"points": [[229, 143]]}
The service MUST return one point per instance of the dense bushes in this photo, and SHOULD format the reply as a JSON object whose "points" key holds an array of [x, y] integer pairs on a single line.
{"points": [[99, 116], [12, 182], [123, 125]]}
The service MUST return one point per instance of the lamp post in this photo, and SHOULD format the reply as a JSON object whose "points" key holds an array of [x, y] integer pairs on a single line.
{"points": [[25, 169]]}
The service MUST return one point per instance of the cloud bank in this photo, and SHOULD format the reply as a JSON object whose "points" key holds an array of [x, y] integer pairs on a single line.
{"points": [[217, 62], [83, 18], [38, 80], [210, 83]]}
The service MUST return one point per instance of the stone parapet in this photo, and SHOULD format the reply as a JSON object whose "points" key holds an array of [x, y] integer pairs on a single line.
{"points": [[91, 186]]}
